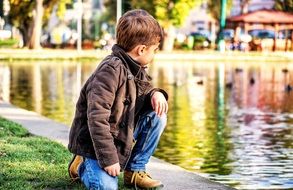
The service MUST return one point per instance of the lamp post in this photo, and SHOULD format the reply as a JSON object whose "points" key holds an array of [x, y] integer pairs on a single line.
{"points": [[119, 10], [79, 24], [1, 9], [221, 42]]}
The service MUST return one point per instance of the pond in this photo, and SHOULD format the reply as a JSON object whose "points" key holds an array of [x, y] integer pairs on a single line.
{"points": [[230, 122]]}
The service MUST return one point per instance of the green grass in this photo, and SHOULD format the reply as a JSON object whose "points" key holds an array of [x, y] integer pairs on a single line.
{"points": [[31, 162], [8, 43]]}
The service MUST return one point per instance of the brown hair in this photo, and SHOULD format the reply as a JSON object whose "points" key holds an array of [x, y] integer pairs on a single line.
{"points": [[137, 27]]}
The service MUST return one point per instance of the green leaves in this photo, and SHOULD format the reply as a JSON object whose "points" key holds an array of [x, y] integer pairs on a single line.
{"points": [[284, 5], [214, 8], [22, 11], [168, 12]]}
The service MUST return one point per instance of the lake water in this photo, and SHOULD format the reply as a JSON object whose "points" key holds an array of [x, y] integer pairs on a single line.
{"points": [[230, 122]]}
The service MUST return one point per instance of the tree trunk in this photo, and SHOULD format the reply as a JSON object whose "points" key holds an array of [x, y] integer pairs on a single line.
{"points": [[244, 6], [291, 41], [287, 39], [24, 34], [34, 42], [169, 37]]}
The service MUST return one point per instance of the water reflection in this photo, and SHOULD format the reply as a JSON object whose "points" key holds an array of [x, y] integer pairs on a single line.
{"points": [[231, 122], [50, 89]]}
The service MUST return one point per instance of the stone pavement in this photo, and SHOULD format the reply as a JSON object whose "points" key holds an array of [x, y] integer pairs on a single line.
{"points": [[173, 177]]}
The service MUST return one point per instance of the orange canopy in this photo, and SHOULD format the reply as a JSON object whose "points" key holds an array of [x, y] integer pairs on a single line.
{"points": [[264, 17]]}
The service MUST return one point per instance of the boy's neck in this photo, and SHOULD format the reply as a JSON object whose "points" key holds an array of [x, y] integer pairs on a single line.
{"points": [[132, 55]]}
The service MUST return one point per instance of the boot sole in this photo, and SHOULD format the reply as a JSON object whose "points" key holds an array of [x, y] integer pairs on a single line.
{"points": [[139, 188]]}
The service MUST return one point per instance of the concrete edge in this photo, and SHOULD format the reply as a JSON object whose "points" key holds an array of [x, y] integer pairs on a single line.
{"points": [[174, 177]]}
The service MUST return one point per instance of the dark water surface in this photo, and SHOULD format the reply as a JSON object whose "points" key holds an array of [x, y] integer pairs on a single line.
{"points": [[231, 122]]}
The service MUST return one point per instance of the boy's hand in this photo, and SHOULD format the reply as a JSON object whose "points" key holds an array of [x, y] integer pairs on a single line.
{"points": [[113, 170], [159, 103]]}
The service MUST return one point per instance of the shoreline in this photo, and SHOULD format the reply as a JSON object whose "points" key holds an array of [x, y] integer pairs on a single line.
{"points": [[174, 177], [66, 54]]}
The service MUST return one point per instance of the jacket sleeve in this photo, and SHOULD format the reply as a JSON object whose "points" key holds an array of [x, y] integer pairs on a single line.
{"points": [[148, 96], [151, 93], [101, 94]]}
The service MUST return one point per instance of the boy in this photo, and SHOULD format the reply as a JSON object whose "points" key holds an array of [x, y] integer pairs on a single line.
{"points": [[119, 116]]}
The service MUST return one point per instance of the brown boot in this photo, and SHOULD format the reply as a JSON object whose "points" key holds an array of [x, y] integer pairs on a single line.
{"points": [[141, 179], [73, 167]]}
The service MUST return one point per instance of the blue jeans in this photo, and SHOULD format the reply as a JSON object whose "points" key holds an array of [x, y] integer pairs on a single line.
{"points": [[146, 134]]}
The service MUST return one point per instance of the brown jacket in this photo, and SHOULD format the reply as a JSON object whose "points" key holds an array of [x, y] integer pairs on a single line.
{"points": [[107, 109]]}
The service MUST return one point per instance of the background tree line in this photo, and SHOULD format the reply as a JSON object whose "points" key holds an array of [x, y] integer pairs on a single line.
{"points": [[31, 16]]}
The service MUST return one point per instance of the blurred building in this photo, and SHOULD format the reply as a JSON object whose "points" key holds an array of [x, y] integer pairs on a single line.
{"points": [[200, 23], [199, 20], [91, 11], [63, 32], [239, 6]]}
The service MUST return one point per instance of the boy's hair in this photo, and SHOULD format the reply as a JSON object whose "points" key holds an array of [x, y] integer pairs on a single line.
{"points": [[137, 27]]}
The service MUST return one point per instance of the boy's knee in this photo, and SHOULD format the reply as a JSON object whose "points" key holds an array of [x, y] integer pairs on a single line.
{"points": [[163, 120], [104, 186], [160, 121], [113, 186]]}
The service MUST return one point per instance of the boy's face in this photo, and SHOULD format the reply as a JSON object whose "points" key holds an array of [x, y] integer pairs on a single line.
{"points": [[148, 54]]}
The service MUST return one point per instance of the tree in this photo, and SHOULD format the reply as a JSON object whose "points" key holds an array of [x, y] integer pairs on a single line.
{"points": [[244, 6], [169, 13], [29, 16], [214, 8], [36, 25], [111, 5], [1, 9], [284, 5]]}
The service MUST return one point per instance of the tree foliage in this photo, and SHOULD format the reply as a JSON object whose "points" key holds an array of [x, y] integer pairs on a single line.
{"points": [[21, 14], [111, 6], [214, 8], [284, 5], [167, 12]]}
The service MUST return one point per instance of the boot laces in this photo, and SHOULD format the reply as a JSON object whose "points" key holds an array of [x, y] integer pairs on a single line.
{"points": [[138, 174]]}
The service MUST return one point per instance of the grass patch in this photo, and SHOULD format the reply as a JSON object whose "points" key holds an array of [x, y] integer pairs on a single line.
{"points": [[31, 162], [8, 43]]}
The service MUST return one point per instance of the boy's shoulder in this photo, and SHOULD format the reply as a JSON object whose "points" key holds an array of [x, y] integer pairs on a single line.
{"points": [[112, 61]]}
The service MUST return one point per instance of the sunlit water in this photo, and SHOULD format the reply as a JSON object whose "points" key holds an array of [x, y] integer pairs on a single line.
{"points": [[232, 123]]}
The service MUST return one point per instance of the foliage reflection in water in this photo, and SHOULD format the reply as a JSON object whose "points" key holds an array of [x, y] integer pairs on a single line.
{"points": [[232, 123]]}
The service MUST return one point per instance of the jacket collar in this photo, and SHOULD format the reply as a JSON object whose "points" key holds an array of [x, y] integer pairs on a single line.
{"points": [[133, 65]]}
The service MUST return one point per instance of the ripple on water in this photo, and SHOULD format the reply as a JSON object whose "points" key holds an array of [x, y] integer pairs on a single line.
{"points": [[262, 153]]}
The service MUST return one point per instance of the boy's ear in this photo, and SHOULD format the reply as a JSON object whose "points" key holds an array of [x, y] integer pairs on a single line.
{"points": [[141, 49]]}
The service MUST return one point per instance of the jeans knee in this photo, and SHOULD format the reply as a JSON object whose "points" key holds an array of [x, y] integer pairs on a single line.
{"points": [[159, 121], [103, 186], [109, 186], [163, 120]]}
